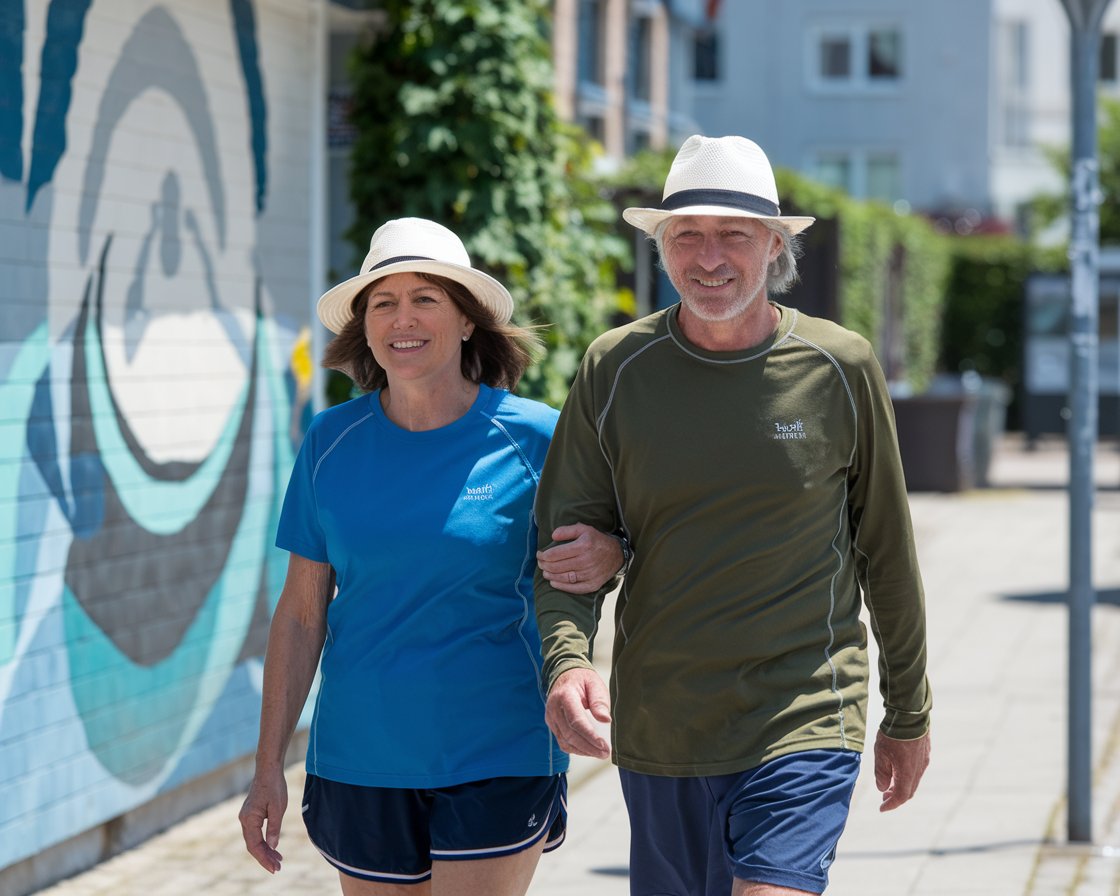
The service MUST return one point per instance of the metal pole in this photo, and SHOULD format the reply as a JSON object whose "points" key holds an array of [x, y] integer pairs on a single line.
{"points": [[317, 192], [1085, 17]]}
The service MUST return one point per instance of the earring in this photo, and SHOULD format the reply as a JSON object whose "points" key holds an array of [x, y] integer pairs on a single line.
{"points": [[466, 336]]}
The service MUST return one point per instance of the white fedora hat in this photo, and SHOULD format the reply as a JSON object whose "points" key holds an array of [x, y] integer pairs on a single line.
{"points": [[725, 176], [418, 246]]}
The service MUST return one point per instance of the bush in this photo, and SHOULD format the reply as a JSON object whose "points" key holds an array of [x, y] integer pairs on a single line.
{"points": [[982, 327], [453, 110], [878, 245]]}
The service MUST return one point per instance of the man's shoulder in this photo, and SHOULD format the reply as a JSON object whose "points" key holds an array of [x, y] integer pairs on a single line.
{"points": [[846, 346], [625, 340]]}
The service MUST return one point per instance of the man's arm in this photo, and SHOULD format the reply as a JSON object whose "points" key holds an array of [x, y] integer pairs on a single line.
{"points": [[576, 486], [899, 766], [887, 568], [577, 696]]}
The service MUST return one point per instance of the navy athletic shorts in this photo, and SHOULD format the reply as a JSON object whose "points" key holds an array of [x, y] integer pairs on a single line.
{"points": [[775, 824], [392, 835]]}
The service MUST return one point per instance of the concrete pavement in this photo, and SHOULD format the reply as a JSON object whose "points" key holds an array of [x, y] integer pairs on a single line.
{"points": [[990, 815]]}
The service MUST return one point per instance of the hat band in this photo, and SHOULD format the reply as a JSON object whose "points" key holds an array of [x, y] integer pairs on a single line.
{"points": [[747, 202], [398, 258]]}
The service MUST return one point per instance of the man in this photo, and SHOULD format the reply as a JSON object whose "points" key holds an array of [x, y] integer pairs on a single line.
{"points": [[747, 454]]}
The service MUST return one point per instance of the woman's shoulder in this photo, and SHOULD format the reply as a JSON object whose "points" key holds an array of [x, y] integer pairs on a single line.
{"points": [[523, 413], [331, 421]]}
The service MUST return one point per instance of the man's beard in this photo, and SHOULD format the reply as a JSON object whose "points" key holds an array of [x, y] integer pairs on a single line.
{"points": [[719, 309]]}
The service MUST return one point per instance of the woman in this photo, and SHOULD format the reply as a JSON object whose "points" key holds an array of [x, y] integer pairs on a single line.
{"points": [[430, 767]]}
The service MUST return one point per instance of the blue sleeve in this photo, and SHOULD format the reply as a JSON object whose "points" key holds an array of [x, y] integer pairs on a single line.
{"points": [[299, 529]]}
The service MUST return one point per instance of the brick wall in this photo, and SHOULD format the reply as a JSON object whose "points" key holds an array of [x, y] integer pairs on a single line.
{"points": [[153, 293]]}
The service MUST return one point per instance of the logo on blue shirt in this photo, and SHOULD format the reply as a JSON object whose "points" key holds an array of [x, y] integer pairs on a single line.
{"points": [[482, 493]]}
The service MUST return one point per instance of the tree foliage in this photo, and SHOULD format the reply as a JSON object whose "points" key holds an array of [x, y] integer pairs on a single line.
{"points": [[1048, 208], [453, 110]]}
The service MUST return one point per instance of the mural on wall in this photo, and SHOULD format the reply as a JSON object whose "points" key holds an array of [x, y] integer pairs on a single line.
{"points": [[151, 395]]}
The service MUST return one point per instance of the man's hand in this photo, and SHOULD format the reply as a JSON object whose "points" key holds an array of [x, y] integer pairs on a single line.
{"points": [[575, 694], [584, 562], [266, 802], [899, 766]]}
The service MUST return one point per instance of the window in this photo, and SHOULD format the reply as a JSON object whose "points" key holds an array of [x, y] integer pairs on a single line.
{"points": [[857, 57], [592, 100], [834, 169], [639, 140], [884, 55], [594, 126], [836, 57], [640, 61], [341, 130], [884, 181], [705, 58], [1014, 67], [590, 54], [1108, 58], [864, 174], [1019, 50]]}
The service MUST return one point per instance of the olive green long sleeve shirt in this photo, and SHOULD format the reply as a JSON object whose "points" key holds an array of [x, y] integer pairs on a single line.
{"points": [[763, 496]]}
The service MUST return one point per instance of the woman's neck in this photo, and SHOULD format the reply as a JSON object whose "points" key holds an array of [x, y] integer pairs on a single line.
{"points": [[419, 407]]}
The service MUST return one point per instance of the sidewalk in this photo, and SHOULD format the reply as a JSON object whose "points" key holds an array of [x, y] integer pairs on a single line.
{"points": [[990, 816]]}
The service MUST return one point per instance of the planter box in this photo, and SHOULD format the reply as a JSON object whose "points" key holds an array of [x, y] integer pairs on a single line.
{"points": [[936, 437]]}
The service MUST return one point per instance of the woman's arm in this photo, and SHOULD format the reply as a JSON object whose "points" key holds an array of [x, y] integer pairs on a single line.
{"points": [[295, 642]]}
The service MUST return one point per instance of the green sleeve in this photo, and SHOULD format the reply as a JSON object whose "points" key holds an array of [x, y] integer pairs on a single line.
{"points": [[576, 487], [886, 559]]}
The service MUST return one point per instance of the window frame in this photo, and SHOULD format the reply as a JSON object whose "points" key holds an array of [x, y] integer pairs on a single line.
{"points": [[857, 161], [1110, 56], [707, 39], [859, 37]]}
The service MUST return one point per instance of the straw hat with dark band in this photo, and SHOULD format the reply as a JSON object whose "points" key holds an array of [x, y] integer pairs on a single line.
{"points": [[414, 245], [725, 176]]}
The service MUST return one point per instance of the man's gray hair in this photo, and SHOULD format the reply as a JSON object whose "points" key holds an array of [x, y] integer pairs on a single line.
{"points": [[782, 273]]}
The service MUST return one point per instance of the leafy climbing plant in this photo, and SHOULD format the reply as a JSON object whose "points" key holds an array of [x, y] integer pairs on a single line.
{"points": [[455, 121]]}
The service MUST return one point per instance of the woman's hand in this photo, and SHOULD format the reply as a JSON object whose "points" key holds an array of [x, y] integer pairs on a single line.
{"points": [[261, 816], [585, 561]]}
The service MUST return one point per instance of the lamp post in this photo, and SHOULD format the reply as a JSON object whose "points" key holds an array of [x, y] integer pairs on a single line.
{"points": [[1085, 34]]}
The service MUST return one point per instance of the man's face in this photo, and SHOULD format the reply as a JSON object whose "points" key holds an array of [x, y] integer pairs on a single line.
{"points": [[717, 264]]}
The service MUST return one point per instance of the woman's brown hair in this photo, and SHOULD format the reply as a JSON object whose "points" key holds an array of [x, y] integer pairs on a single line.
{"points": [[496, 354]]}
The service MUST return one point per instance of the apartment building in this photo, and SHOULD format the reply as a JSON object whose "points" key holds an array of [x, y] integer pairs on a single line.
{"points": [[621, 66], [937, 107]]}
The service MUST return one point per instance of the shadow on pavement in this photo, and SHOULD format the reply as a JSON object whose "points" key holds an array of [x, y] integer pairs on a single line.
{"points": [[997, 846], [1107, 596]]}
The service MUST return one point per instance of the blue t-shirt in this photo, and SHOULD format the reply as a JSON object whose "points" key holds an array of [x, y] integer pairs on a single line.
{"points": [[431, 667]]}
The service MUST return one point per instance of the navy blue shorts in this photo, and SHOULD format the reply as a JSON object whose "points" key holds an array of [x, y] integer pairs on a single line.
{"points": [[392, 835], [775, 824]]}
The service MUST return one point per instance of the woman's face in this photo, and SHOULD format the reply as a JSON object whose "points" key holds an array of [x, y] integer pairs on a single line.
{"points": [[415, 330]]}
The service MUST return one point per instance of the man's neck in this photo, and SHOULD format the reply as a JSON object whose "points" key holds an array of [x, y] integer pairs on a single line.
{"points": [[745, 331]]}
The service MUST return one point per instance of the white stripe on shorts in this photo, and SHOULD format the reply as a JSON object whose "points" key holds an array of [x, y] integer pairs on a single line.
{"points": [[382, 875]]}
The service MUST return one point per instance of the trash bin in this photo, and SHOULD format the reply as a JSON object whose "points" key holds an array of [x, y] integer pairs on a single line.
{"points": [[936, 439], [992, 399]]}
